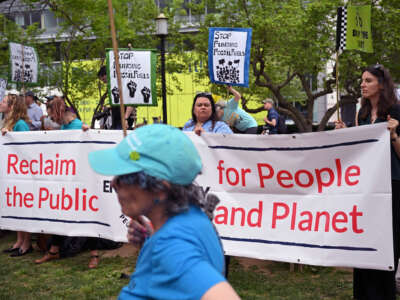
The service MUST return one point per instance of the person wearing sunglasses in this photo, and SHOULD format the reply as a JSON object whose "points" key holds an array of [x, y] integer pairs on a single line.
{"points": [[234, 116], [380, 104], [204, 116]]}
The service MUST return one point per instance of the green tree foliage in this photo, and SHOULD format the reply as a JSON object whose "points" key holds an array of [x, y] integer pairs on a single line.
{"points": [[293, 41], [84, 34]]}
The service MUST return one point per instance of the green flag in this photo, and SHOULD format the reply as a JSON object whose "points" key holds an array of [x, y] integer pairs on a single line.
{"points": [[358, 33]]}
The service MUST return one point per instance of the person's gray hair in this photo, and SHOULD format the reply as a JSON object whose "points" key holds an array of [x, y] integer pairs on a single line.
{"points": [[269, 100], [179, 197], [221, 104]]}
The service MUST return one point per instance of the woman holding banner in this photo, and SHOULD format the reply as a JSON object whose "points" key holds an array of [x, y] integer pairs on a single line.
{"points": [[65, 117], [16, 119], [59, 244], [205, 119], [155, 167], [379, 104], [204, 116]]}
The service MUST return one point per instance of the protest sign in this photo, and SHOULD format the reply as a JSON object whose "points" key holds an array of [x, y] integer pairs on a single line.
{"points": [[307, 198], [24, 64], [138, 77], [354, 28], [229, 55], [310, 199], [54, 190], [3, 87]]}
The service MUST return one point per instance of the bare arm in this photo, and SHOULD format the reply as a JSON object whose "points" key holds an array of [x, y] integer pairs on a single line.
{"points": [[272, 122], [395, 139], [356, 120], [234, 92], [128, 111], [222, 290]]}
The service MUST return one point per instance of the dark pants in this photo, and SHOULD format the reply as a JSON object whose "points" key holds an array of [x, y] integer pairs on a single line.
{"points": [[251, 130], [377, 284], [58, 240]]}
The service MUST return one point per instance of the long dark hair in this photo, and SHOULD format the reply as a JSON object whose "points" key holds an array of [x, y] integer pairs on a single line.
{"points": [[387, 96], [213, 116]]}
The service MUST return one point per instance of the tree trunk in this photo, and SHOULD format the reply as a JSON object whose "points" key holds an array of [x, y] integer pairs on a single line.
{"points": [[346, 99]]}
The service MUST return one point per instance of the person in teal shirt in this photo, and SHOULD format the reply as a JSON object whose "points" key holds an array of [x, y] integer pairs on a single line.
{"points": [[234, 116], [67, 119], [75, 123], [16, 119], [182, 256], [21, 125]]}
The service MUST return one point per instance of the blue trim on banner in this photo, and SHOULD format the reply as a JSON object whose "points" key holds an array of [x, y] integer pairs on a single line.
{"points": [[295, 148], [58, 142], [291, 244], [56, 220], [212, 30]]}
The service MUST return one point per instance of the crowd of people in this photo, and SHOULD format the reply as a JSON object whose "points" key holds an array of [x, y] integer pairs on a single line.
{"points": [[170, 223], [22, 113]]}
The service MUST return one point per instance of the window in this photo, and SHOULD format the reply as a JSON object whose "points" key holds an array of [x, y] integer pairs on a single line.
{"points": [[187, 14], [162, 3], [27, 18], [50, 21]]}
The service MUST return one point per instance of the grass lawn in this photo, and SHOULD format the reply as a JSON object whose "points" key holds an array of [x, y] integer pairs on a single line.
{"points": [[70, 278]]}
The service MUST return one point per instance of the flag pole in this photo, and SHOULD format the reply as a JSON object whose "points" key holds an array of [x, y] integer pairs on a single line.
{"points": [[337, 85], [117, 69], [23, 70]]}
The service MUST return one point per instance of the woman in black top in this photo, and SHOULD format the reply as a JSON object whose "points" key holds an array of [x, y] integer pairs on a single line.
{"points": [[380, 104]]}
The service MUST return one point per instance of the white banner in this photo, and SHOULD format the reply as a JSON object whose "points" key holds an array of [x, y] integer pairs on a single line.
{"points": [[24, 63], [306, 198], [309, 198], [137, 77], [47, 185]]}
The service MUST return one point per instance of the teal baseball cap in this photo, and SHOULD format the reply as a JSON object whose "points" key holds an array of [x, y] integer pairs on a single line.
{"points": [[158, 150]]}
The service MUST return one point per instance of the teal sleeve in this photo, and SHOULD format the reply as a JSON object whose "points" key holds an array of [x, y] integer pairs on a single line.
{"points": [[232, 104], [181, 270], [21, 126]]}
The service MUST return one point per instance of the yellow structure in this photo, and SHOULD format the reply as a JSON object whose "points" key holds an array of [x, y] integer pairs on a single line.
{"points": [[179, 101]]}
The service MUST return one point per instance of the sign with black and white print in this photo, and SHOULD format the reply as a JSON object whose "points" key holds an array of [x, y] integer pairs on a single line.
{"points": [[24, 64], [3, 87], [229, 55], [138, 77]]}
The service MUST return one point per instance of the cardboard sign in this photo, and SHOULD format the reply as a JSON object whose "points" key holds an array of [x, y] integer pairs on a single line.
{"points": [[138, 77], [229, 55], [3, 87], [353, 30], [24, 64]]}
